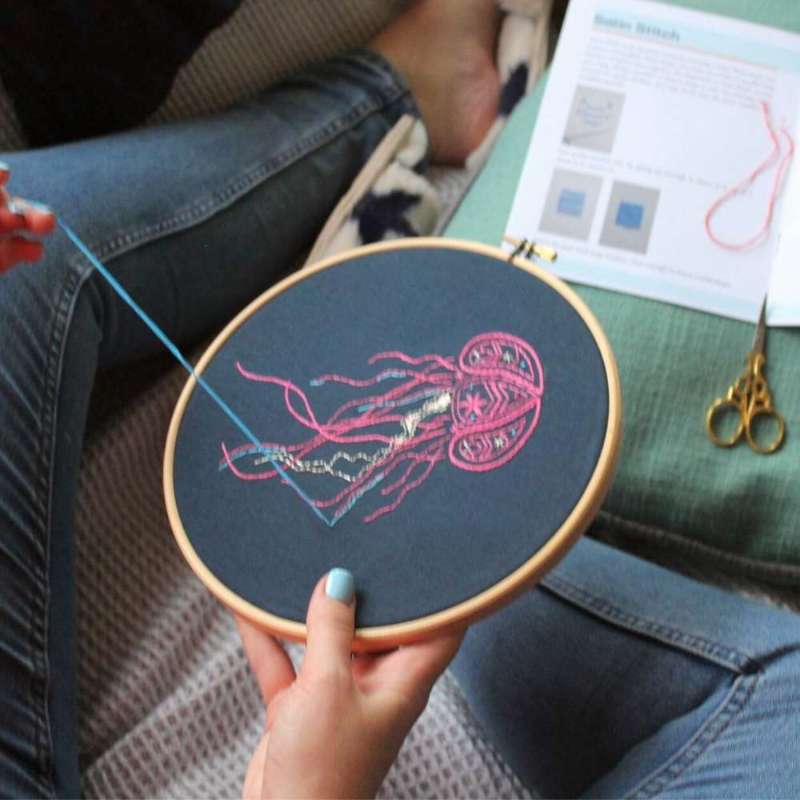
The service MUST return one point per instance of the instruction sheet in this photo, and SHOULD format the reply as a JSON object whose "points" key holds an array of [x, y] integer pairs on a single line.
{"points": [[662, 163]]}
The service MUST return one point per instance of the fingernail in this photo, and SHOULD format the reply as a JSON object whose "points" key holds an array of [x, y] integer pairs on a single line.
{"points": [[4, 167], [15, 207], [340, 585], [40, 207]]}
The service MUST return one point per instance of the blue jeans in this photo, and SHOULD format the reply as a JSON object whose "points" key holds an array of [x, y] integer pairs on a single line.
{"points": [[195, 219], [616, 678]]}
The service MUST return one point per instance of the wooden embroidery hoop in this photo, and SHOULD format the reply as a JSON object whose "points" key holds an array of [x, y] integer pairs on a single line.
{"points": [[544, 559]]}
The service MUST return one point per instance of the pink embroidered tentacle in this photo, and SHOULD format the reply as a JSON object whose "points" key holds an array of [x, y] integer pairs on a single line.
{"points": [[377, 400], [331, 433], [229, 456], [387, 467], [387, 374], [337, 432], [357, 383], [401, 391], [405, 490], [299, 451], [447, 363], [245, 476], [408, 454], [380, 414], [352, 488], [415, 459], [288, 387]]}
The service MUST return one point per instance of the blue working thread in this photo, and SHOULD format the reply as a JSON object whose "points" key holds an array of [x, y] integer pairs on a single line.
{"points": [[183, 361]]}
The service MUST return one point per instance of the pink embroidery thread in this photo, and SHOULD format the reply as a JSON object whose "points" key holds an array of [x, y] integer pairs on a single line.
{"points": [[477, 411], [749, 181]]}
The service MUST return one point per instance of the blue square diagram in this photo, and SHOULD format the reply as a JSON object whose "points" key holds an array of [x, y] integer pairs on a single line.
{"points": [[630, 215], [571, 202]]}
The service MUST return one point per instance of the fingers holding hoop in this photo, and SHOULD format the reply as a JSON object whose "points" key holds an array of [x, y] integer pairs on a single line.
{"points": [[21, 223]]}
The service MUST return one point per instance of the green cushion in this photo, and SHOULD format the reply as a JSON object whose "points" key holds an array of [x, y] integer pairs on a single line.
{"points": [[673, 487]]}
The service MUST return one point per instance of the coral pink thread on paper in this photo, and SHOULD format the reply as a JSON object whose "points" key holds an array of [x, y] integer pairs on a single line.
{"points": [[763, 232], [478, 411]]}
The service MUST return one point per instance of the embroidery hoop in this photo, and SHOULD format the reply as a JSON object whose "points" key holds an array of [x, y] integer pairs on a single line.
{"points": [[380, 637]]}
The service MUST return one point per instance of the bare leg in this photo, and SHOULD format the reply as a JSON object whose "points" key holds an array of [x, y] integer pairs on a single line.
{"points": [[445, 50]]}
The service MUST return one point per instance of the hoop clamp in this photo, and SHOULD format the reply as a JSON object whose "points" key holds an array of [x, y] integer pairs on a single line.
{"points": [[526, 248]]}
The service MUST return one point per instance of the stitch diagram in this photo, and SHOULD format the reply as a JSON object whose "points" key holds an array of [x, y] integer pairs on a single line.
{"points": [[593, 119], [630, 216], [570, 204], [477, 411]]}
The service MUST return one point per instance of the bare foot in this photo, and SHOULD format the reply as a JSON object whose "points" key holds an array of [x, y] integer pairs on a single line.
{"points": [[445, 49]]}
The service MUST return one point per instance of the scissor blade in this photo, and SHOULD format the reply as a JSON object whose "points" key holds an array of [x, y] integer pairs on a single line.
{"points": [[761, 329]]}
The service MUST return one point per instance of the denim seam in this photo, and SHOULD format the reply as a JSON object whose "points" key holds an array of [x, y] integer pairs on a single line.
{"points": [[244, 183], [696, 645], [40, 613], [743, 689], [37, 624]]}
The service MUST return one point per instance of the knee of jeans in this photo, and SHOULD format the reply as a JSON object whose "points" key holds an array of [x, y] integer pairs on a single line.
{"points": [[780, 670], [546, 676]]}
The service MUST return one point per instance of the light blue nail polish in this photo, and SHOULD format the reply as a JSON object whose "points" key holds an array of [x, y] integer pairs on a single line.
{"points": [[15, 207], [340, 585], [40, 207], [4, 167]]}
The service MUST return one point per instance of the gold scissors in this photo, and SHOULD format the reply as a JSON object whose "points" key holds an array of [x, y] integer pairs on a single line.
{"points": [[749, 397]]}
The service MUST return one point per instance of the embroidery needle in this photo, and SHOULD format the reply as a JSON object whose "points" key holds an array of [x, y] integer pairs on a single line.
{"points": [[184, 362]]}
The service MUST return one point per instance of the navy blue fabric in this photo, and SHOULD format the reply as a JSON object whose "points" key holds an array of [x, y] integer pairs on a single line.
{"points": [[459, 532], [81, 68]]}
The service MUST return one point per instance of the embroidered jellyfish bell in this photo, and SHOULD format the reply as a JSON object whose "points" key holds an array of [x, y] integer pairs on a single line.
{"points": [[497, 401]]}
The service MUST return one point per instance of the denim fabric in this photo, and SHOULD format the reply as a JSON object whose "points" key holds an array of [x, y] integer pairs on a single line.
{"points": [[617, 678], [194, 219]]}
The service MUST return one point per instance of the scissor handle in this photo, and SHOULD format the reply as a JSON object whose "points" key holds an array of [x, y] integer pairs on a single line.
{"points": [[759, 404], [764, 411], [718, 409]]}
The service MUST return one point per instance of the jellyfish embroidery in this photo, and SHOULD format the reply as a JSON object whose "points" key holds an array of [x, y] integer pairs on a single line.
{"points": [[476, 411]]}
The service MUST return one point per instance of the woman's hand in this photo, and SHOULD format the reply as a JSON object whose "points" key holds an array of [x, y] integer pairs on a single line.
{"points": [[334, 729], [18, 218]]}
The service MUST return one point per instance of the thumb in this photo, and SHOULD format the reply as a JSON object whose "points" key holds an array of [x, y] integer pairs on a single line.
{"points": [[330, 623]]}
